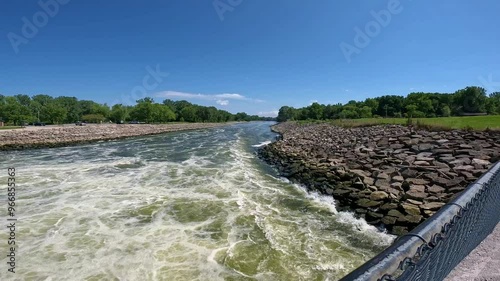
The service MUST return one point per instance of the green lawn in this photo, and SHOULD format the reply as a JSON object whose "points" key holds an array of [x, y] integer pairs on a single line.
{"points": [[10, 127], [466, 122]]}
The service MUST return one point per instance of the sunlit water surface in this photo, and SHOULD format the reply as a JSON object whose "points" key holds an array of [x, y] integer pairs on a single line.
{"points": [[193, 205]]}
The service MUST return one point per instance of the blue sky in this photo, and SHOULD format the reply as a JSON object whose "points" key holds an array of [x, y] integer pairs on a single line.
{"points": [[247, 55]]}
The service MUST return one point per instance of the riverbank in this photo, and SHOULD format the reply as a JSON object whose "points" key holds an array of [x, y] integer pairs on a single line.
{"points": [[54, 136], [197, 203], [391, 175]]}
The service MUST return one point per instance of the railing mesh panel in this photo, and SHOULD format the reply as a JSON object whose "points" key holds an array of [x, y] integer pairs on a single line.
{"points": [[464, 232]]}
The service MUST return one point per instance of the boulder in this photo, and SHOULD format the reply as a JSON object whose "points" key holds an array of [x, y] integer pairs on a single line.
{"points": [[464, 168], [381, 183], [382, 175], [417, 181], [410, 209], [368, 181], [360, 173], [425, 147], [374, 215], [400, 230], [388, 220], [366, 203], [480, 162], [398, 179], [417, 188], [388, 206], [395, 213], [414, 202], [409, 173], [411, 219], [416, 195], [460, 162], [436, 189], [378, 196], [433, 206]]}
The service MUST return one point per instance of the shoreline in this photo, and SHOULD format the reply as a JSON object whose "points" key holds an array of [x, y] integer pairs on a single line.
{"points": [[58, 136], [392, 176]]}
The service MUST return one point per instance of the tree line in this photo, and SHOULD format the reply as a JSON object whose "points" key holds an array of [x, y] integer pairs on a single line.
{"points": [[468, 101], [21, 109]]}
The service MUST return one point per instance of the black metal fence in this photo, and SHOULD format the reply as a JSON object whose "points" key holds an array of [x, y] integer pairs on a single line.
{"points": [[436, 246]]}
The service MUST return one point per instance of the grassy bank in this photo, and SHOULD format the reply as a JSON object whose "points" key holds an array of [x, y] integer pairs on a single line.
{"points": [[466, 122], [10, 127]]}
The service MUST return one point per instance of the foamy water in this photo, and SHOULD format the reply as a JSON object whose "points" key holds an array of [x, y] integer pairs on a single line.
{"points": [[181, 206]]}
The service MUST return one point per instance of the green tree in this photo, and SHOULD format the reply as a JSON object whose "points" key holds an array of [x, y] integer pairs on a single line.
{"points": [[93, 118], [188, 114], [446, 111], [241, 116], [13, 112], [119, 113], [493, 104], [315, 111], [372, 103], [286, 113], [144, 110], [470, 100], [365, 112], [102, 109], [332, 111], [423, 103], [54, 113], [162, 113], [72, 107], [411, 109]]}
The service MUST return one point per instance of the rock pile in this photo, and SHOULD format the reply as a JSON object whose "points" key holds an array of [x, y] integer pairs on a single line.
{"points": [[392, 176], [37, 137]]}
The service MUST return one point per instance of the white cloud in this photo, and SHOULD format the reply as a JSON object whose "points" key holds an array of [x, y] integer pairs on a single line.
{"points": [[222, 99], [272, 113], [222, 102], [231, 96]]}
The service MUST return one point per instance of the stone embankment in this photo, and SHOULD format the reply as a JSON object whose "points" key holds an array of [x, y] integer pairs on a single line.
{"points": [[53, 136], [393, 176]]}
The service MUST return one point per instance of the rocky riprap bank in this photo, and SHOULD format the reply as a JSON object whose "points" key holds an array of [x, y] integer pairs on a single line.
{"points": [[393, 176], [42, 137]]}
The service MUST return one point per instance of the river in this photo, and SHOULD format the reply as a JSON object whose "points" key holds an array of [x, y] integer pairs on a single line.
{"points": [[195, 205]]}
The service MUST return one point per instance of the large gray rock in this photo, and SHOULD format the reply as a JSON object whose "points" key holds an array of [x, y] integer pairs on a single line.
{"points": [[480, 162], [378, 196], [432, 206], [410, 209], [416, 195], [366, 203], [411, 219]]}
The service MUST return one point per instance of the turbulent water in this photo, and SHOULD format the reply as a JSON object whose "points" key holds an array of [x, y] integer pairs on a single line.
{"points": [[180, 206]]}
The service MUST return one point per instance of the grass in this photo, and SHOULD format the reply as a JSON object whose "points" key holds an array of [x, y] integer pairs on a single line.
{"points": [[10, 127], [438, 123]]}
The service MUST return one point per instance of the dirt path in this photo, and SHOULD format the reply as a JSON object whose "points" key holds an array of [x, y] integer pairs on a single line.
{"points": [[483, 263]]}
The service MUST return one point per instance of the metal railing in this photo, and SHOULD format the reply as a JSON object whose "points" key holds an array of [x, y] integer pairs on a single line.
{"points": [[435, 247]]}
